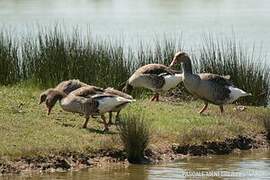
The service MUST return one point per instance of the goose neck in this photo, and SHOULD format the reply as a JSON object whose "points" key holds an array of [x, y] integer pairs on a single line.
{"points": [[186, 66]]}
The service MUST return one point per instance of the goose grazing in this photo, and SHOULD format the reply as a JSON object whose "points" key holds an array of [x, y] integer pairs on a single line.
{"points": [[211, 88], [89, 92], [65, 86], [117, 109], [98, 104], [156, 77]]}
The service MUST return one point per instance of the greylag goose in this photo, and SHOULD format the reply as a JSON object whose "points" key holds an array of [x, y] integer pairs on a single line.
{"points": [[156, 77], [98, 104], [89, 92], [211, 88], [65, 86]]}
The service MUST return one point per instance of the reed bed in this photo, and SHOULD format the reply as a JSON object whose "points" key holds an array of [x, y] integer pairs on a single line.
{"points": [[54, 56], [9, 60]]}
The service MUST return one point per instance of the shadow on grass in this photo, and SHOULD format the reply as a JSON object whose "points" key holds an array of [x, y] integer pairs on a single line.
{"points": [[99, 131]]}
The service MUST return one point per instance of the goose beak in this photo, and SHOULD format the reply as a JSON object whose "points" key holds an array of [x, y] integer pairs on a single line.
{"points": [[173, 62]]}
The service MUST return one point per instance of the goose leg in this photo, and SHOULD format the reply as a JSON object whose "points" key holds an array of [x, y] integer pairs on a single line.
{"points": [[157, 97], [110, 118], [117, 116], [204, 107], [86, 122], [221, 109], [106, 128], [153, 98]]}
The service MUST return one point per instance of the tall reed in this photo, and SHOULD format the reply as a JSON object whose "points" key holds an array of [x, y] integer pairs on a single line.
{"points": [[55, 55], [9, 60]]}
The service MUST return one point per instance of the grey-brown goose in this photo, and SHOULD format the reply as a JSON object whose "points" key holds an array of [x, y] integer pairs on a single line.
{"points": [[89, 92], [98, 104], [156, 77], [211, 88], [65, 86]]}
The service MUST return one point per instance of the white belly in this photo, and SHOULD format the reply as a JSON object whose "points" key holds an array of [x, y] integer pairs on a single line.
{"points": [[71, 105], [171, 81], [108, 104]]}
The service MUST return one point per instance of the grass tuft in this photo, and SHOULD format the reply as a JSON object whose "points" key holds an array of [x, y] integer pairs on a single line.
{"points": [[134, 133]]}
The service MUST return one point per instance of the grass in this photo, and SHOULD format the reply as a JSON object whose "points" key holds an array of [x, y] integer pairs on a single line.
{"points": [[26, 130], [266, 122], [54, 55], [135, 134]]}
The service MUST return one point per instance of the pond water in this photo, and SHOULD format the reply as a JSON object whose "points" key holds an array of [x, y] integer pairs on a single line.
{"points": [[136, 20], [244, 165], [132, 20]]}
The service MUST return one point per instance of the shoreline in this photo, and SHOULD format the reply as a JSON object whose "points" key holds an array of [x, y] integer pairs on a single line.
{"points": [[74, 161]]}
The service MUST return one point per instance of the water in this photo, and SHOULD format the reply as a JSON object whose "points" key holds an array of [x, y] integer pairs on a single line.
{"points": [[245, 165], [135, 20]]}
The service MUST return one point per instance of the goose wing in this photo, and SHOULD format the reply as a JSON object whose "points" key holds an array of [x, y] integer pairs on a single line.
{"points": [[88, 91], [220, 80], [155, 69], [113, 91], [70, 85], [219, 87]]}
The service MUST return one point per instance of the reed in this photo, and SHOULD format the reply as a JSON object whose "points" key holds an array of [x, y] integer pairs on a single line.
{"points": [[9, 60], [54, 55]]}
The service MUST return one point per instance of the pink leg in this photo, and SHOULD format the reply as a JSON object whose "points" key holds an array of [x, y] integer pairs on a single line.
{"points": [[221, 109], [106, 128], [86, 122], [204, 108], [157, 97]]}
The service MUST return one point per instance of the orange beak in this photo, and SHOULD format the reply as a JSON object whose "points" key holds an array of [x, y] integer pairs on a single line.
{"points": [[173, 62]]}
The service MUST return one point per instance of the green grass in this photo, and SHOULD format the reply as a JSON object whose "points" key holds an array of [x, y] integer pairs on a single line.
{"points": [[25, 129]]}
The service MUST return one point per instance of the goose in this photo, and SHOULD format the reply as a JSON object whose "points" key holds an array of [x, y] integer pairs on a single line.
{"points": [[211, 88], [156, 77], [65, 86], [88, 91], [98, 104]]}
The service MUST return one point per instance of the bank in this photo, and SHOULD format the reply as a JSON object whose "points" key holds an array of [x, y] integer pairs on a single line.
{"points": [[33, 141]]}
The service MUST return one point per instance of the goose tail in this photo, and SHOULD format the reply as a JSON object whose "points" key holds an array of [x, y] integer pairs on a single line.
{"points": [[237, 93]]}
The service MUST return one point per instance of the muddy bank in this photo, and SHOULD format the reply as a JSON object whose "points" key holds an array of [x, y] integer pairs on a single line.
{"points": [[226, 147], [76, 161]]}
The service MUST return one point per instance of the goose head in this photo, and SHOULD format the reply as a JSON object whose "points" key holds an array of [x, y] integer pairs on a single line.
{"points": [[52, 97], [179, 57], [43, 96]]}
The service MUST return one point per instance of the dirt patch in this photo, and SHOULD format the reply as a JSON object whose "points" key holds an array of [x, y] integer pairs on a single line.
{"points": [[225, 147], [75, 161]]}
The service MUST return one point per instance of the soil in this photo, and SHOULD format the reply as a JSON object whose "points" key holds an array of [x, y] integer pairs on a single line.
{"points": [[74, 161]]}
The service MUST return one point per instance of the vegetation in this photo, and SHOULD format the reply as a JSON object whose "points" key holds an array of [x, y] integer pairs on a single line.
{"points": [[54, 56], [26, 129], [134, 133], [266, 121]]}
